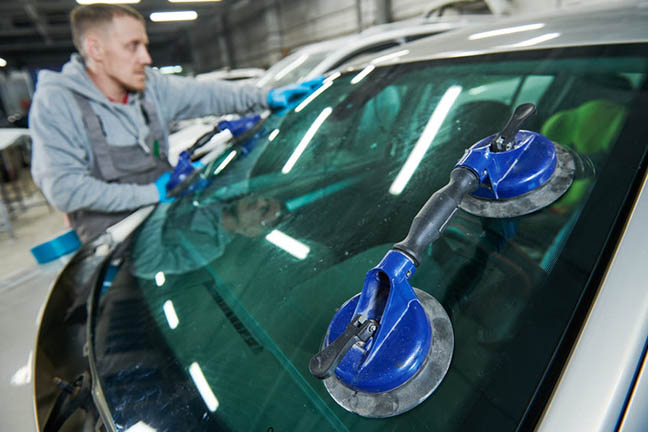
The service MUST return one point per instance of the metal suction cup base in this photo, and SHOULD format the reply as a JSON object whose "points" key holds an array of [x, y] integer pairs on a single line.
{"points": [[419, 387], [539, 198]]}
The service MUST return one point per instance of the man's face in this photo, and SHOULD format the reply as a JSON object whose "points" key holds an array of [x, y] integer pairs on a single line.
{"points": [[124, 53]]}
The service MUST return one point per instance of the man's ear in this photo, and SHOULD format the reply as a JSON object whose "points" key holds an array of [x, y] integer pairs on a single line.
{"points": [[94, 48]]}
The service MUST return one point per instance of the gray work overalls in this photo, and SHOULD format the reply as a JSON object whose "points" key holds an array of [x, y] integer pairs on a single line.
{"points": [[119, 164]]}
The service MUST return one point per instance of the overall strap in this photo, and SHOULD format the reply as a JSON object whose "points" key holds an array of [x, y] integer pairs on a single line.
{"points": [[94, 128]]}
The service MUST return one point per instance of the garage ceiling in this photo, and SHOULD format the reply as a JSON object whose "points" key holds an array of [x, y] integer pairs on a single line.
{"points": [[36, 33]]}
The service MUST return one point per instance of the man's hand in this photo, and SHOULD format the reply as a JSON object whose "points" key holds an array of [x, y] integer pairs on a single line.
{"points": [[284, 98], [161, 184]]}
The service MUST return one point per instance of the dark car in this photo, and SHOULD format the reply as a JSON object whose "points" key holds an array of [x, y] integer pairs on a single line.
{"points": [[207, 316]]}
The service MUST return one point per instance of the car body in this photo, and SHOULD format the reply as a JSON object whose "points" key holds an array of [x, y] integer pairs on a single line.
{"points": [[321, 57], [316, 59], [206, 316], [244, 75]]}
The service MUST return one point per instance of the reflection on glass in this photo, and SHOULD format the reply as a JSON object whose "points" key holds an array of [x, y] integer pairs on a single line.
{"points": [[170, 313], [505, 31], [140, 426], [333, 76], [308, 136], [290, 67], [23, 374], [363, 73], [159, 279], [293, 247], [203, 387], [388, 57], [425, 140], [225, 162], [313, 95], [536, 40], [273, 135]]}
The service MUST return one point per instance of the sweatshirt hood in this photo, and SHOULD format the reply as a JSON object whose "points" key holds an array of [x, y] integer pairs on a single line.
{"points": [[73, 77]]}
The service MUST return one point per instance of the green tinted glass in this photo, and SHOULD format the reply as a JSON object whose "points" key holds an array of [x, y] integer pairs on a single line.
{"points": [[242, 277]]}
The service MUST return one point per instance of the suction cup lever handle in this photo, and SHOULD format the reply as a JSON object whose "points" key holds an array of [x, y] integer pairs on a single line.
{"points": [[324, 363], [505, 139], [432, 219]]}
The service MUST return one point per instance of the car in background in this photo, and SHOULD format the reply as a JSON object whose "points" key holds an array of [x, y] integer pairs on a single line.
{"points": [[243, 75], [206, 316], [318, 58]]}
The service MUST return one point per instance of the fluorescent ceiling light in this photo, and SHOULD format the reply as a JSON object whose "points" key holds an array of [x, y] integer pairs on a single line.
{"points": [[3, 62], [159, 279], [363, 73], [170, 69], [174, 16], [87, 2], [313, 95], [505, 31], [536, 40], [294, 247], [308, 136], [203, 387], [424, 141], [171, 315]]}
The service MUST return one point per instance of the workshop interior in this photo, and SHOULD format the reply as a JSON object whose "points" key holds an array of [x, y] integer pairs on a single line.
{"points": [[311, 215]]}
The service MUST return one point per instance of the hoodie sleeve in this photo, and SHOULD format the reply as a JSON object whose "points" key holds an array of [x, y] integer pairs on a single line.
{"points": [[61, 162], [182, 97]]}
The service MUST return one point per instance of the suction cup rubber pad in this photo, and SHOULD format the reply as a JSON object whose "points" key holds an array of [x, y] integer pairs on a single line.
{"points": [[419, 387], [532, 201]]}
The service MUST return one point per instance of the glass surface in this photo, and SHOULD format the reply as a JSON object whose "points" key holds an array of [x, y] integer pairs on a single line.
{"points": [[222, 296], [292, 69]]}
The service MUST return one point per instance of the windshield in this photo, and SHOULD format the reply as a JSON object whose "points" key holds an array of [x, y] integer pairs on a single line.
{"points": [[222, 296], [293, 68]]}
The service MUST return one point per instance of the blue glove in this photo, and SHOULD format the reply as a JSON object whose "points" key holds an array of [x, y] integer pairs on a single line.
{"points": [[161, 184], [291, 95]]}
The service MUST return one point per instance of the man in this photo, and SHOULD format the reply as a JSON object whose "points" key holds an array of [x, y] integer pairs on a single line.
{"points": [[99, 127]]}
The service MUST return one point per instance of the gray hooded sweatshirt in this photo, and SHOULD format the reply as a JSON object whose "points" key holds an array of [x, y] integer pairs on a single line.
{"points": [[62, 156]]}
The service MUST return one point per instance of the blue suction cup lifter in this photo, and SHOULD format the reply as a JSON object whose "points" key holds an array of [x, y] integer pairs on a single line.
{"points": [[529, 164], [402, 340], [389, 347], [182, 170], [519, 171], [238, 126]]}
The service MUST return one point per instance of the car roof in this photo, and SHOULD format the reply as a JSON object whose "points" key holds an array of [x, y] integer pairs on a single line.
{"points": [[339, 48], [625, 22], [394, 31], [231, 74]]}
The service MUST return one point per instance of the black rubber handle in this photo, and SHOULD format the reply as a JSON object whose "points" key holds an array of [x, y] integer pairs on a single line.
{"points": [[324, 363], [432, 219], [505, 139]]}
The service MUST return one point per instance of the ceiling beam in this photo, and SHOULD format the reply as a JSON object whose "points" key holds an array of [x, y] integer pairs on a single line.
{"points": [[39, 21]]}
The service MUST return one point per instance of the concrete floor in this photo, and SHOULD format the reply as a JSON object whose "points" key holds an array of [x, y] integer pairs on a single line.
{"points": [[32, 226]]}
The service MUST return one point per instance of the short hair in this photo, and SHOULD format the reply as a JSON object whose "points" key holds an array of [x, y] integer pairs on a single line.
{"points": [[86, 17]]}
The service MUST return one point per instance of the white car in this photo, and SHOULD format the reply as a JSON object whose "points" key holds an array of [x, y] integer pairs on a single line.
{"points": [[243, 75], [318, 58], [206, 317]]}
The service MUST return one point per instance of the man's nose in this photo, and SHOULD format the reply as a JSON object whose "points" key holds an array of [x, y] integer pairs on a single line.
{"points": [[144, 56]]}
